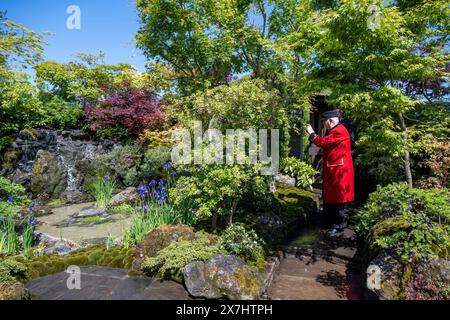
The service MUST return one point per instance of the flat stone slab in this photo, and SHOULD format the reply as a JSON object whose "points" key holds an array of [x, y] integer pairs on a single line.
{"points": [[90, 212], [318, 268], [56, 226], [103, 283]]}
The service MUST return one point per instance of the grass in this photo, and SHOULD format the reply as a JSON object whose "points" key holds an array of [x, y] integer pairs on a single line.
{"points": [[122, 209], [9, 239], [89, 220], [143, 222], [27, 239], [103, 189]]}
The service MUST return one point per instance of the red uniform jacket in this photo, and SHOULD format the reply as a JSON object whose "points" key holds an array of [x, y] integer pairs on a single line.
{"points": [[337, 168]]}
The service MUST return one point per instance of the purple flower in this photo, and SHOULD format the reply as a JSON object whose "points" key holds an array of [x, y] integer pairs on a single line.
{"points": [[152, 183], [142, 190], [173, 173], [161, 183], [10, 199], [167, 165], [145, 207], [31, 207], [32, 220], [155, 193]]}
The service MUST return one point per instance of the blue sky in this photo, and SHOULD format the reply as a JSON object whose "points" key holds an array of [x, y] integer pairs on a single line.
{"points": [[106, 25]]}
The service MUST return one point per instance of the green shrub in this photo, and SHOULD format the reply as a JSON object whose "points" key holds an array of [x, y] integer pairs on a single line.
{"points": [[241, 242], [154, 159], [216, 190], [59, 114], [11, 270], [413, 222], [170, 261], [303, 173], [124, 162], [13, 190]]}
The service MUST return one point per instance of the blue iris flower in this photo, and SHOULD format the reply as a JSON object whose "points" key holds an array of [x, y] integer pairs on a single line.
{"points": [[155, 193], [10, 199], [173, 173], [167, 165], [31, 207], [161, 183], [145, 207], [152, 183], [142, 190], [32, 221]]}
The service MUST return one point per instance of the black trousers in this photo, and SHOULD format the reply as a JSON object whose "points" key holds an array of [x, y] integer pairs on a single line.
{"points": [[334, 213]]}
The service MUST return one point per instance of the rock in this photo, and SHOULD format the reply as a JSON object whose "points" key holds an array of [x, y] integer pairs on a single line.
{"points": [[11, 290], [223, 276], [61, 248], [441, 268], [49, 175], [75, 196], [197, 284], [128, 196], [38, 211], [271, 226], [90, 212], [158, 239], [79, 135], [49, 162], [285, 179], [55, 245], [27, 134], [384, 275]]}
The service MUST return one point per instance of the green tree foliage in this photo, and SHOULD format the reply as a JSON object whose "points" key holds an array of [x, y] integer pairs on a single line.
{"points": [[204, 42], [216, 190], [80, 81], [380, 77], [19, 104], [18, 44]]}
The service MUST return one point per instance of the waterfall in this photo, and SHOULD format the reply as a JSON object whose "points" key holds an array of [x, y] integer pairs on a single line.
{"points": [[69, 166]]}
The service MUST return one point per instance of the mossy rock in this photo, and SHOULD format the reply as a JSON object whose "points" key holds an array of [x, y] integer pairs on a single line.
{"points": [[48, 175], [117, 257], [28, 134], [385, 227], [158, 239], [293, 202], [9, 159], [13, 290]]}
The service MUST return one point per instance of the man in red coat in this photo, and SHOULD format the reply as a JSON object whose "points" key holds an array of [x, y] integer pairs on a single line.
{"points": [[337, 168]]}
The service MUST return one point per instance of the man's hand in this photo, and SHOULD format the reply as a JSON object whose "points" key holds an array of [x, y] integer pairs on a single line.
{"points": [[309, 129]]}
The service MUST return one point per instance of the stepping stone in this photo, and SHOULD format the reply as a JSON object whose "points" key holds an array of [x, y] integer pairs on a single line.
{"points": [[103, 283]]}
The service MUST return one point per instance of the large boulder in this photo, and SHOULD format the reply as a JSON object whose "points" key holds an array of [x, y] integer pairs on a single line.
{"points": [[49, 176], [384, 275], [13, 290], [223, 276], [127, 196], [158, 239], [55, 245]]}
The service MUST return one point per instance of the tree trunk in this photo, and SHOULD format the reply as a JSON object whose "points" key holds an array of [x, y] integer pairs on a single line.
{"points": [[214, 221], [406, 157], [233, 209]]}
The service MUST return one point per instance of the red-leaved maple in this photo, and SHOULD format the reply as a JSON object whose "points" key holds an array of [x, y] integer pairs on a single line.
{"points": [[132, 108]]}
